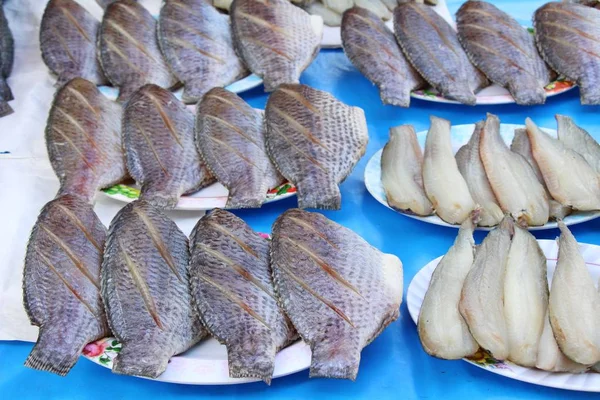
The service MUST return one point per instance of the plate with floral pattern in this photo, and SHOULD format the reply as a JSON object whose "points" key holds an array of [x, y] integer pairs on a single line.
{"points": [[589, 381]]}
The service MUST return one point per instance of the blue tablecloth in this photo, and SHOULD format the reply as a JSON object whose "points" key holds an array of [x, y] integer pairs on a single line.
{"points": [[394, 366]]}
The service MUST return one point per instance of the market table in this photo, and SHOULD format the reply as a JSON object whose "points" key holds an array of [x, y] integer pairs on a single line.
{"points": [[394, 366]]}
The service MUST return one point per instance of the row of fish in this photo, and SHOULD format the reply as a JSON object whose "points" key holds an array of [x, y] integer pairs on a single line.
{"points": [[495, 296], [7, 49], [190, 44], [537, 178]]}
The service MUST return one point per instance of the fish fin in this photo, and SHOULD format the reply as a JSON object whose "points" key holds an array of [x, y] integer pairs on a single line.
{"points": [[527, 91], [334, 358], [319, 192], [5, 109], [5, 92], [131, 361], [589, 92], [250, 359], [49, 355]]}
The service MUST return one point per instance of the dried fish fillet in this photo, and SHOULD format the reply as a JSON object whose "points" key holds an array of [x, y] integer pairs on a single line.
{"points": [[579, 140], [339, 291], [549, 356], [232, 287], [61, 283], [315, 141], [402, 172], [330, 17], [7, 50]]}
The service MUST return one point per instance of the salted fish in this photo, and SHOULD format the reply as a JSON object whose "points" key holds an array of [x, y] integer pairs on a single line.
{"points": [[402, 172], [442, 330], [232, 287], [579, 140], [512, 179], [196, 41], [315, 141], [158, 135], [230, 136], [445, 186], [373, 49], [128, 49], [432, 47], [503, 50], [83, 138], [568, 176], [339, 291], [276, 39], [471, 168], [61, 283], [7, 49], [145, 289], [567, 38]]}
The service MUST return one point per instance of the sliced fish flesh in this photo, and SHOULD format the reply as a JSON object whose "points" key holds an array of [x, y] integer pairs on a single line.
{"points": [[503, 50], [444, 185], [145, 290], [83, 138], [276, 39], [402, 172], [61, 283], [315, 141], [158, 135], [482, 298], [373, 49], [568, 176], [128, 49], [7, 49], [567, 37], [197, 44], [432, 47], [232, 287], [230, 136], [512, 179], [579, 140], [442, 330], [339, 291], [471, 168]]}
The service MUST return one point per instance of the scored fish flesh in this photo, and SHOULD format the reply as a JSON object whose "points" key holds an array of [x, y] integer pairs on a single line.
{"points": [[444, 185], [128, 49], [569, 178], [145, 289], [574, 303], [512, 179], [504, 51], [61, 283], [7, 50], [432, 47], [276, 39], [315, 141], [482, 298], [402, 172], [158, 135], [373, 49], [197, 44], [567, 37], [442, 330], [231, 139], [471, 168], [83, 138], [232, 287], [339, 291], [579, 140], [68, 35]]}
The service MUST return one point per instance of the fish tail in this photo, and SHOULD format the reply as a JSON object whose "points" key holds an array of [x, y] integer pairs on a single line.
{"points": [[5, 109], [139, 359], [193, 93], [53, 354], [334, 359], [244, 198], [252, 359], [390, 95], [160, 195], [322, 193], [590, 92], [79, 186], [5, 92], [527, 91], [461, 93]]}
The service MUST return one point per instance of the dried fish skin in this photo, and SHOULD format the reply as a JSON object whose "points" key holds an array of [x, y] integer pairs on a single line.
{"points": [[579, 140], [61, 283], [7, 50], [402, 172], [339, 292], [105, 3]]}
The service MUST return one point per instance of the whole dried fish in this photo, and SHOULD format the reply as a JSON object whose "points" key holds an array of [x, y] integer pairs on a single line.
{"points": [[233, 290], [373, 49], [577, 139], [197, 44], [61, 283], [7, 49], [315, 141], [339, 291]]}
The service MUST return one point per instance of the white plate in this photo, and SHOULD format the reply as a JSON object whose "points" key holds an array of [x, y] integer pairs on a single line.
{"points": [[460, 136], [589, 382]]}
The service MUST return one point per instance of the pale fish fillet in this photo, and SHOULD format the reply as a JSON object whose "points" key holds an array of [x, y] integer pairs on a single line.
{"points": [[470, 166], [482, 298], [568, 176], [444, 185], [442, 330], [512, 179], [339, 291], [579, 140], [330, 17]]}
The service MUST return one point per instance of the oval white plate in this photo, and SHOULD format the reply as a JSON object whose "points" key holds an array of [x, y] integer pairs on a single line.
{"points": [[589, 382], [460, 136]]}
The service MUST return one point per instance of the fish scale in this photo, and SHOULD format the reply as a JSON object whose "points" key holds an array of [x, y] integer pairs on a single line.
{"points": [[7, 49]]}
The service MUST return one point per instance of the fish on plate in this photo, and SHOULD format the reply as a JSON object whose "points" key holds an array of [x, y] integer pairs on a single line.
{"points": [[579, 140], [7, 50]]}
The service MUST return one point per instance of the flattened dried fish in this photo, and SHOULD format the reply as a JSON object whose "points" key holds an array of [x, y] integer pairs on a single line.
{"points": [[7, 49], [579, 140], [315, 141], [339, 291]]}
